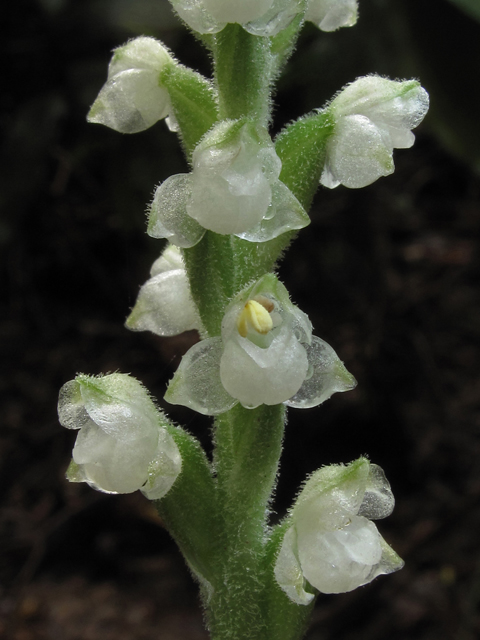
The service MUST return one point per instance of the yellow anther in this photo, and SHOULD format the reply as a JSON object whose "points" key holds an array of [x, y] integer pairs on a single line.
{"points": [[254, 315]]}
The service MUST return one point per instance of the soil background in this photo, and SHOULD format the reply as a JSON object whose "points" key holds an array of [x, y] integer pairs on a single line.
{"points": [[389, 276]]}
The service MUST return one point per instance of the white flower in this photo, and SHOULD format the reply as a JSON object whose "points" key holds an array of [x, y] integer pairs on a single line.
{"points": [[330, 15], [258, 17], [122, 445], [133, 99], [373, 115], [265, 355], [332, 542], [233, 189], [164, 304]]}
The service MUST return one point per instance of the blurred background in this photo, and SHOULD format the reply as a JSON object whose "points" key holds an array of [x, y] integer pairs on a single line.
{"points": [[389, 276]]}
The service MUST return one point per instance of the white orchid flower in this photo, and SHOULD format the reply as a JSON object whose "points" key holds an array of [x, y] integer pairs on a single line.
{"points": [[133, 99], [122, 445], [332, 542], [372, 116], [265, 355], [164, 305], [330, 15], [258, 17], [233, 189]]}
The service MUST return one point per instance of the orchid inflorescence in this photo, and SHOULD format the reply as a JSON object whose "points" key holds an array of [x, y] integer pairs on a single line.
{"points": [[226, 223]]}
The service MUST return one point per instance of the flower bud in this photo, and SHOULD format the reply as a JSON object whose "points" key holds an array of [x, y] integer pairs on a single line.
{"points": [[164, 305], [332, 542], [133, 99], [122, 445], [373, 115]]}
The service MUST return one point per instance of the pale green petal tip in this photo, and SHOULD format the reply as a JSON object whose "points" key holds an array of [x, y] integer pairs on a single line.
{"points": [[75, 472]]}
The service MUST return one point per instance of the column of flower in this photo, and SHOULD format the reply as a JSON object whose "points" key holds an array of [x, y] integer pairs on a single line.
{"points": [[227, 222]]}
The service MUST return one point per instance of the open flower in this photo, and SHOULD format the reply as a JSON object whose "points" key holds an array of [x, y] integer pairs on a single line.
{"points": [[373, 115], [330, 15], [332, 542], [164, 304], [133, 99], [265, 355], [233, 189], [122, 444], [258, 17]]}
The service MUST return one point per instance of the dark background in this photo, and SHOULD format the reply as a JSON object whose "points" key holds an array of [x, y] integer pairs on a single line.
{"points": [[389, 276]]}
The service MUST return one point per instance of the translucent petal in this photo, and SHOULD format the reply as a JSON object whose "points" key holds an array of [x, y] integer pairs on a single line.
{"points": [[130, 101], [278, 17], [168, 213], [164, 469], [378, 501], [327, 376], [196, 16], [285, 214], [288, 571], [235, 11], [140, 53], [71, 409], [197, 384], [120, 406], [164, 306], [256, 375], [357, 155], [330, 15], [340, 560]]}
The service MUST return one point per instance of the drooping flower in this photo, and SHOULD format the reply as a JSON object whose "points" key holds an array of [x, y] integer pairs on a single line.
{"points": [[133, 99], [258, 17], [330, 15], [233, 189], [373, 116], [265, 355], [164, 304], [332, 542], [122, 444]]}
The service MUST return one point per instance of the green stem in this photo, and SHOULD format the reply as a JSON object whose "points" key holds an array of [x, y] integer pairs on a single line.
{"points": [[248, 447]]}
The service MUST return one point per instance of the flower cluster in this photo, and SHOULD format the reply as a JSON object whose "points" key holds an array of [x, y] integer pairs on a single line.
{"points": [[265, 355], [373, 116], [331, 542], [233, 189], [122, 443]]}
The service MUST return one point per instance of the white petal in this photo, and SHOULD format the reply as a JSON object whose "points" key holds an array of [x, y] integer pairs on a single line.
{"points": [[71, 408], [168, 213], [120, 406], [140, 53], [378, 501], [357, 155], [330, 15], [230, 193], [288, 571], [278, 17], [340, 560], [327, 376], [237, 11], [130, 101], [165, 306], [164, 469], [109, 465], [256, 375], [197, 384], [196, 16], [285, 214], [170, 260]]}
